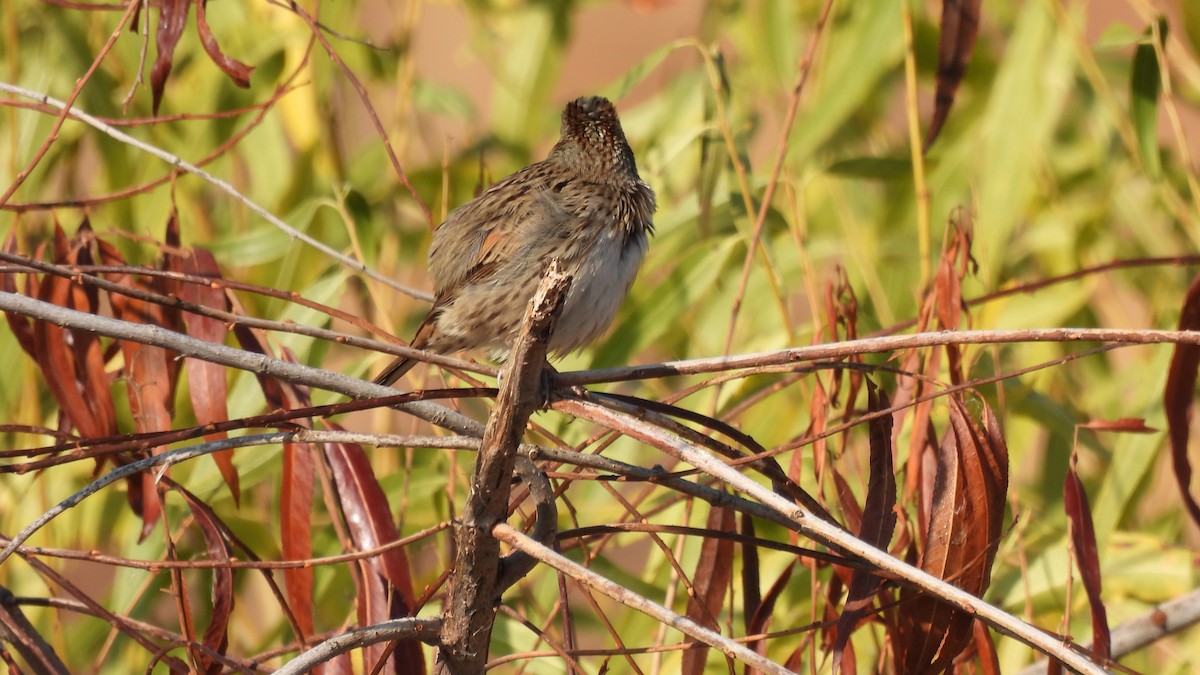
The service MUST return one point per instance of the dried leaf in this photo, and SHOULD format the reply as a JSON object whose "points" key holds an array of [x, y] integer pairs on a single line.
{"points": [[151, 374], [969, 491], [369, 520], [1129, 425], [216, 635], [878, 522], [295, 524], [72, 361], [761, 620], [236, 70], [1087, 557], [714, 570], [172, 17], [751, 574], [953, 267], [960, 24], [207, 387], [1178, 395], [985, 649], [818, 415]]}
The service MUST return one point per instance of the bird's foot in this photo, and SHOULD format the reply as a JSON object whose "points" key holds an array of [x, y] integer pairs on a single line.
{"points": [[549, 377]]}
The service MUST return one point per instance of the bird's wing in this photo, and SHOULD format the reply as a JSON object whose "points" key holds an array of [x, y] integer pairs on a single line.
{"points": [[503, 224]]}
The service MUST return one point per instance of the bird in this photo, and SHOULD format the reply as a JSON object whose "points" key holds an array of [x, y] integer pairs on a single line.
{"points": [[585, 205]]}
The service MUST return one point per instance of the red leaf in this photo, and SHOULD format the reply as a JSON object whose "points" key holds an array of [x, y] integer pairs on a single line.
{"points": [[751, 574], [877, 525], [172, 17], [1178, 395], [216, 636], [714, 570], [960, 24], [150, 378], [236, 70], [1129, 425], [295, 526], [72, 361], [762, 616], [207, 388], [369, 520], [1087, 557], [969, 491], [953, 267], [985, 648]]}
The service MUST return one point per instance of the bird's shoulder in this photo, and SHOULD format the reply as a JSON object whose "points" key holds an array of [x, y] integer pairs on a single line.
{"points": [[483, 231]]}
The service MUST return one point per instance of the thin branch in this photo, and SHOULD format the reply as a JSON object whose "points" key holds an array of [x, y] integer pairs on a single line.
{"points": [[260, 364], [515, 565], [158, 565], [586, 577], [163, 460], [769, 192], [73, 448], [1166, 619], [218, 183], [64, 107], [832, 535], [366, 101], [16, 630], [875, 345], [408, 628]]}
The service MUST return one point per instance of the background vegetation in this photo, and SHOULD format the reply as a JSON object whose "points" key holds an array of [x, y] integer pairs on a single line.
{"points": [[1051, 155]]}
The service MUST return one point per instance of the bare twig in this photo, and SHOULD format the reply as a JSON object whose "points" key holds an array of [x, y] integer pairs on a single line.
{"points": [[408, 628], [594, 581], [781, 154], [228, 356], [876, 345], [832, 535], [1166, 619], [515, 565], [65, 107], [218, 183], [16, 630], [366, 100], [161, 462], [158, 565], [475, 585]]}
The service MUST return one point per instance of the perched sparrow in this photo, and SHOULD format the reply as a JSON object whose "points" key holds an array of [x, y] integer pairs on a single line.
{"points": [[584, 204]]}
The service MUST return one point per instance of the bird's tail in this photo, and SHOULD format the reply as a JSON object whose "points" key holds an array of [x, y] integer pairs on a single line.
{"points": [[395, 370], [402, 364]]}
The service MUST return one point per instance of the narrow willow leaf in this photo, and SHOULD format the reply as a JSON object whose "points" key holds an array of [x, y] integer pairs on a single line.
{"points": [[1145, 85]]}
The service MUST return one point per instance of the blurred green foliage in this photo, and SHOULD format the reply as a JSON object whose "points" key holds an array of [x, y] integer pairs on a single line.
{"points": [[1045, 149]]}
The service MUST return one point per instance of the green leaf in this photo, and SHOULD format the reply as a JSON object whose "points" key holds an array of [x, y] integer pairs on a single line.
{"points": [[635, 75], [436, 98], [1145, 85], [1191, 23], [1116, 36], [871, 167]]}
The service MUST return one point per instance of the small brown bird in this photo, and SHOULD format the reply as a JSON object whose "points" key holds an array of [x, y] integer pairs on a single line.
{"points": [[584, 204]]}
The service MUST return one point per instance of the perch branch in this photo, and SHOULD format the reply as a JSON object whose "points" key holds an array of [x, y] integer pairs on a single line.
{"points": [[832, 535], [476, 584]]}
